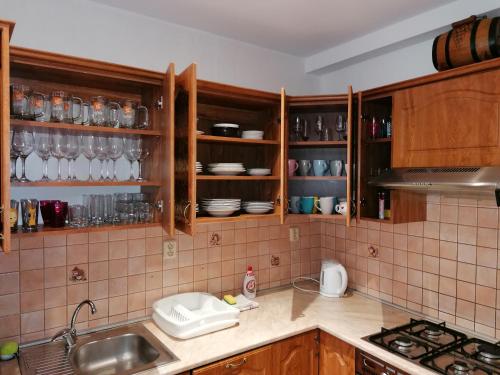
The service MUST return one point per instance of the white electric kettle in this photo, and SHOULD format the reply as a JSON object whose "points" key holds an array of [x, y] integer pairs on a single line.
{"points": [[333, 279]]}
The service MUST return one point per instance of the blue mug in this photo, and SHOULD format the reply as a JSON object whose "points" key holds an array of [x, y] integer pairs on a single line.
{"points": [[320, 167], [306, 205], [295, 205]]}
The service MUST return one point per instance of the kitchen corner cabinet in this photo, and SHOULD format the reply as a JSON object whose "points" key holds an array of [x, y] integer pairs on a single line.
{"points": [[297, 355], [47, 72], [258, 361], [338, 146], [201, 104], [449, 123], [335, 356], [375, 157], [6, 29]]}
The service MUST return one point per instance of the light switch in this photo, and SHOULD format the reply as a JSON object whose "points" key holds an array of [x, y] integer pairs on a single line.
{"points": [[169, 249]]}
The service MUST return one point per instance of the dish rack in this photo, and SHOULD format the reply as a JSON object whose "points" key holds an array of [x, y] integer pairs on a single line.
{"points": [[189, 315]]}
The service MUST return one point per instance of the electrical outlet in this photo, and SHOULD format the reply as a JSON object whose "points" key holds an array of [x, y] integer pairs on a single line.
{"points": [[294, 234], [169, 249]]}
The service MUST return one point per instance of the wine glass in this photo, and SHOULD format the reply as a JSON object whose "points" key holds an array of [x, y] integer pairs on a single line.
{"points": [[72, 153], [305, 131], [318, 126], [132, 153], [58, 149], [14, 155], [88, 149], [101, 152], [340, 127], [115, 152], [143, 154], [297, 129], [42, 149], [23, 143]]}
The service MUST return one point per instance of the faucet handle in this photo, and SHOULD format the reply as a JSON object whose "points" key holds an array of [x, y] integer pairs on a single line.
{"points": [[68, 335]]}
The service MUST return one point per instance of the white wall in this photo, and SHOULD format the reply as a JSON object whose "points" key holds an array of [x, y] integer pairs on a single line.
{"points": [[87, 29]]}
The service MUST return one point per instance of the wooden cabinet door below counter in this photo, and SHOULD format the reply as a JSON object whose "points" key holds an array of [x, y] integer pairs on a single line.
{"points": [[297, 355], [335, 356], [255, 362]]}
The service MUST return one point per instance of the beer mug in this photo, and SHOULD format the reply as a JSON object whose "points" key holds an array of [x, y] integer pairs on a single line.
{"points": [[57, 104], [134, 115], [70, 102], [19, 100], [98, 111], [114, 114], [39, 106]]}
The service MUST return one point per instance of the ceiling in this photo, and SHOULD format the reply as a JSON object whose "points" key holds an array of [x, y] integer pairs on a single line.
{"points": [[296, 27]]}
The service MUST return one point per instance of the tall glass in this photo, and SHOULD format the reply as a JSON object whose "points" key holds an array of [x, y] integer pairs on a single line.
{"points": [[72, 153], [132, 152], [58, 149], [23, 143], [101, 153], [88, 149], [42, 149], [115, 152], [14, 155]]}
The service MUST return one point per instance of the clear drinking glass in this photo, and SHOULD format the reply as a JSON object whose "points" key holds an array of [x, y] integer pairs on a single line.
{"points": [[72, 153], [57, 106], [78, 216], [38, 106], [97, 209], [42, 149], [143, 154], [340, 127], [101, 152], [108, 208], [305, 131], [132, 152], [58, 149], [14, 155], [88, 149], [115, 152], [98, 111], [23, 143], [114, 114], [318, 126], [19, 100], [70, 103], [297, 129]]}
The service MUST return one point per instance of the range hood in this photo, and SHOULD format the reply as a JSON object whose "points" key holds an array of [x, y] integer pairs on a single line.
{"points": [[474, 180]]}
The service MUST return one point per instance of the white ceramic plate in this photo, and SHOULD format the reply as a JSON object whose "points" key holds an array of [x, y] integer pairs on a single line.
{"points": [[259, 171], [221, 213], [226, 125], [257, 210]]}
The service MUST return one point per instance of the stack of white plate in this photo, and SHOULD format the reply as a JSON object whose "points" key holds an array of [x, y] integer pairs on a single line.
{"points": [[199, 167], [226, 169], [258, 207], [252, 134], [259, 171], [197, 208], [220, 207]]}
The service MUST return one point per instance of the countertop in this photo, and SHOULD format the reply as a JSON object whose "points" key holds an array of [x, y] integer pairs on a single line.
{"points": [[284, 313]]}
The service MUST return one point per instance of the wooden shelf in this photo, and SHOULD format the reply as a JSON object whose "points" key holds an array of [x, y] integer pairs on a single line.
{"points": [[242, 217], [379, 140], [65, 183], [376, 220], [237, 178], [321, 216], [217, 139], [318, 178], [16, 123], [69, 230], [302, 144]]}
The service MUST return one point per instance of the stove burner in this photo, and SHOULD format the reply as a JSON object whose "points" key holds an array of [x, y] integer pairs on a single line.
{"points": [[460, 368], [488, 353], [432, 332], [403, 344]]}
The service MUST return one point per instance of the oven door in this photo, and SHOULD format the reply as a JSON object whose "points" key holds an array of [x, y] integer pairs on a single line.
{"points": [[369, 365]]}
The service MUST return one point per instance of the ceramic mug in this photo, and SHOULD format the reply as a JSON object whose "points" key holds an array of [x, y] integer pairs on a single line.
{"points": [[304, 167], [292, 167], [295, 205], [306, 205], [325, 205], [320, 167], [341, 208], [336, 167]]}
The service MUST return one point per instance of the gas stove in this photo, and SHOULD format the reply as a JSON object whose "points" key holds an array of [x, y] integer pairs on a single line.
{"points": [[440, 348]]}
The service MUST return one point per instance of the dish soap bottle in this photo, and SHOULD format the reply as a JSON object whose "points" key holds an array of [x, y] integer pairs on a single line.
{"points": [[249, 284]]}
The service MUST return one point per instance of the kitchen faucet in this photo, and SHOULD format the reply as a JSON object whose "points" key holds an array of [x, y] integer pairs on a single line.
{"points": [[69, 334]]}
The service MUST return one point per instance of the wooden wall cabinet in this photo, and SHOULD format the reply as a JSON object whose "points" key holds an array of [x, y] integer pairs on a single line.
{"points": [[335, 356], [339, 146], [201, 104], [449, 123], [297, 355]]}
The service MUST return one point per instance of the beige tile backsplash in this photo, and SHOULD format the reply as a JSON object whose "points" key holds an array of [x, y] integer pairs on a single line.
{"points": [[445, 267]]}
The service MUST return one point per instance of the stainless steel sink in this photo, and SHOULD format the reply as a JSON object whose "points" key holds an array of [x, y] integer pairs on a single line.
{"points": [[123, 350]]}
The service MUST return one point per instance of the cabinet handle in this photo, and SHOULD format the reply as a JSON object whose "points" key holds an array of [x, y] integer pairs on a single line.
{"points": [[368, 366], [234, 365]]}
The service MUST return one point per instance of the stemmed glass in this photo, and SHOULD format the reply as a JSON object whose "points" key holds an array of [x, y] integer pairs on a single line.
{"points": [[23, 143], [58, 150], [305, 131], [42, 149], [13, 160], [297, 129], [115, 152], [143, 154], [101, 151], [132, 153], [318, 127], [340, 127], [88, 149], [72, 153]]}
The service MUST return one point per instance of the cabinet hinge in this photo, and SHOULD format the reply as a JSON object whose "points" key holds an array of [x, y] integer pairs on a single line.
{"points": [[159, 103], [159, 205]]}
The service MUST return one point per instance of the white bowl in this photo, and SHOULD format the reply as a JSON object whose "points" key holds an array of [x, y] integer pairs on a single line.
{"points": [[257, 210], [259, 171], [226, 125]]}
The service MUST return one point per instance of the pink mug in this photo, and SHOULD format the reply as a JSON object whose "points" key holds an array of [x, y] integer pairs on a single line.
{"points": [[292, 167]]}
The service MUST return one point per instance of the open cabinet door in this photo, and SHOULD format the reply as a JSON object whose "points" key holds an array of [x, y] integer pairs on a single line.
{"points": [[360, 153], [5, 30], [168, 152], [349, 157], [284, 157], [185, 150]]}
